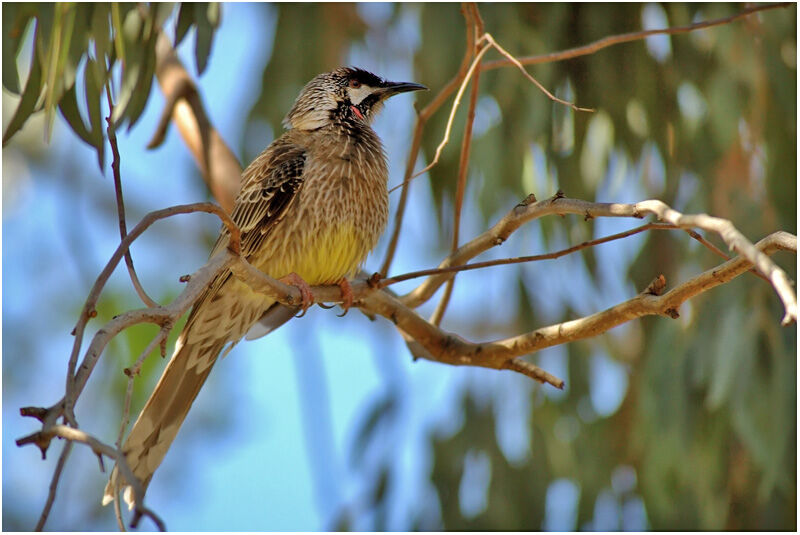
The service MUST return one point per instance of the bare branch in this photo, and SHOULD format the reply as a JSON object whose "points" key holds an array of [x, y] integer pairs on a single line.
{"points": [[463, 168], [115, 163], [453, 109], [162, 316], [522, 259], [88, 310], [51, 493], [100, 448], [529, 210], [606, 42], [132, 372], [220, 168], [514, 61], [469, 12], [451, 349]]}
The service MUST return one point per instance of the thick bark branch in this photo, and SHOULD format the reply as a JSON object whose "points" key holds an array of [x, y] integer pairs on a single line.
{"points": [[220, 167]]}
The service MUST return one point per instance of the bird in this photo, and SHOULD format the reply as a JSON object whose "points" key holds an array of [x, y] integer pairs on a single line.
{"points": [[310, 208]]}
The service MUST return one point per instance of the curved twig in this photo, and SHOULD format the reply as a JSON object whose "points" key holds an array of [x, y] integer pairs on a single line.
{"points": [[606, 42], [530, 209], [115, 162], [88, 308]]}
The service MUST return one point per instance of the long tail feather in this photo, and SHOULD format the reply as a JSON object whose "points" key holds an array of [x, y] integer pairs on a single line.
{"points": [[163, 414]]}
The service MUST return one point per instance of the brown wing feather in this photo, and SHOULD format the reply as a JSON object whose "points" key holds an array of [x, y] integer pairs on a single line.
{"points": [[269, 185]]}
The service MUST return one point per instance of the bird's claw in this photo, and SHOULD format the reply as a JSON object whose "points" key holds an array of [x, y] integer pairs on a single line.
{"points": [[347, 296], [307, 298]]}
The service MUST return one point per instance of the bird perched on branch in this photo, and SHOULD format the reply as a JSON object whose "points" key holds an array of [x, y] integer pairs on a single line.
{"points": [[310, 209]]}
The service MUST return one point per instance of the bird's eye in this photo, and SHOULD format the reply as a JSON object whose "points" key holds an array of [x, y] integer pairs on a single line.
{"points": [[355, 84]]}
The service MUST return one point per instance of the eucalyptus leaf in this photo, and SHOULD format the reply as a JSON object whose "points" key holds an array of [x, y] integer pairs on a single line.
{"points": [[185, 20], [27, 104], [101, 30], [204, 37], [116, 25], [144, 83], [15, 21], [93, 86], [68, 106]]}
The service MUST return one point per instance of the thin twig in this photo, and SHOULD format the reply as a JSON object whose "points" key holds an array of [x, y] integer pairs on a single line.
{"points": [[100, 448], [115, 168], [118, 515], [558, 204], [714, 249], [463, 168], [88, 311], [132, 372], [522, 259], [440, 346], [413, 153], [605, 42], [456, 102], [535, 372], [383, 283], [51, 494], [514, 60]]}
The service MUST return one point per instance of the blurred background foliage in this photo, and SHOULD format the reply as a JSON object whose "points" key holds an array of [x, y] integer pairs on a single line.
{"points": [[686, 424]]}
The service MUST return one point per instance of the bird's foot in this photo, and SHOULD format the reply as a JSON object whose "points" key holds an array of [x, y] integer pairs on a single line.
{"points": [[293, 279], [347, 296]]}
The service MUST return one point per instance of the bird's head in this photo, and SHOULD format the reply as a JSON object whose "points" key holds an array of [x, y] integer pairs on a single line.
{"points": [[346, 95]]}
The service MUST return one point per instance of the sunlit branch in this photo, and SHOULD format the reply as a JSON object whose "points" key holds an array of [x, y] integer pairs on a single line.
{"points": [[611, 40]]}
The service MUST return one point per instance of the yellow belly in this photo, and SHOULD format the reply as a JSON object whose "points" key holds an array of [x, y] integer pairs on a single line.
{"points": [[324, 257]]}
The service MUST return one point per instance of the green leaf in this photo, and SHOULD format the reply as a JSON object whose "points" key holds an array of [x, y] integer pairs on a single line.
{"points": [[78, 42], [185, 20], [44, 27], [161, 12], [132, 65], [33, 88], [213, 13], [15, 21], [144, 83], [69, 110], [57, 82], [101, 30], [116, 24], [93, 87], [205, 17]]}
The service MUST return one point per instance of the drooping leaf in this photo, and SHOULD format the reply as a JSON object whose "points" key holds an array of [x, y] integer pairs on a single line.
{"points": [[206, 16], [144, 83], [101, 30], [68, 106], [185, 20], [27, 104], [16, 18], [116, 25], [133, 63], [93, 103]]}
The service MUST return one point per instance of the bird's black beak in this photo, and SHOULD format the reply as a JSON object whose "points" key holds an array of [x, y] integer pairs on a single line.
{"points": [[393, 88]]}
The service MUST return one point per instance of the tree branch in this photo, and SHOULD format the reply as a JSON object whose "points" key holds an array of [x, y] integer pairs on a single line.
{"points": [[606, 42], [449, 348], [463, 163], [217, 163], [99, 448], [530, 209], [468, 11]]}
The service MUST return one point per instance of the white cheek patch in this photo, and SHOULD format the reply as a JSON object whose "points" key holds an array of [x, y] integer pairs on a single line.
{"points": [[357, 94]]}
